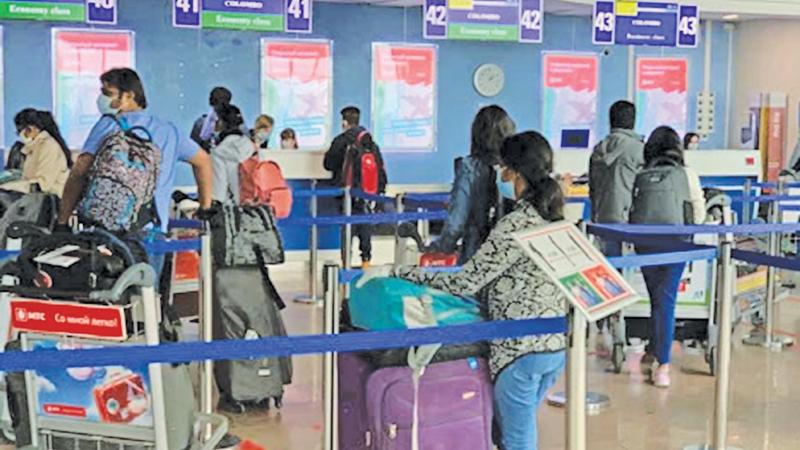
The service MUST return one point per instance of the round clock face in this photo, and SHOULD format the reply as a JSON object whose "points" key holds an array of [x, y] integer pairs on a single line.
{"points": [[489, 80]]}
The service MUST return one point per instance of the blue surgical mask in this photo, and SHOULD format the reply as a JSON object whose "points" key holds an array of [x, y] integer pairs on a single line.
{"points": [[104, 105], [506, 188]]}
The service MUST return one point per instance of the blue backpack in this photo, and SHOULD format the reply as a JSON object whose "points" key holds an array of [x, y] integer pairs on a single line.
{"points": [[395, 304]]}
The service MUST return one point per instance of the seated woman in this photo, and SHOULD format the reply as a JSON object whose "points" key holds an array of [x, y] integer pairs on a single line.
{"points": [[47, 157], [233, 148], [474, 196], [288, 139], [666, 192], [501, 275]]}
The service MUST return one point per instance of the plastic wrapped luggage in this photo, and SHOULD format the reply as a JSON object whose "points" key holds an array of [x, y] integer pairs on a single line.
{"points": [[454, 406], [248, 306], [38, 208]]}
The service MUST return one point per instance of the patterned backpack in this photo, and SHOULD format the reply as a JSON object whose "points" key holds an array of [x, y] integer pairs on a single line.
{"points": [[120, 193]]}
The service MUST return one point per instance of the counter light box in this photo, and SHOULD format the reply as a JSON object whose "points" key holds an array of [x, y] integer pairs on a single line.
{"points": [[575, 138]]}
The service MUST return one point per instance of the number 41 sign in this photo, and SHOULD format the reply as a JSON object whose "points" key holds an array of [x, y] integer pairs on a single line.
{"points": [[293, 16]]}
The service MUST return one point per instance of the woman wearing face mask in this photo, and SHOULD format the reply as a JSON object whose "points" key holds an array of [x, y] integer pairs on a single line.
{"points": [[691, 141], [288, 139], [233, 148], [513, 287], [473, 198], [262, 131], [47, 157]]}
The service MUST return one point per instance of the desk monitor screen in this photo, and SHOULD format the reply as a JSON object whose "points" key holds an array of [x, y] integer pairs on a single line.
{"points": [[575, 138]]}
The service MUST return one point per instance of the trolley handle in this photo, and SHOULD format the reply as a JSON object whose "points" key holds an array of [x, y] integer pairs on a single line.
{"points": [[141, 275]]}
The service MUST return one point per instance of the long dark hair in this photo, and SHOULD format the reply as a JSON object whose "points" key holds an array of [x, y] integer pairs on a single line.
{"points": [[44, 121], [232, 121], [664, 142], [491, 127], [530, 155]]}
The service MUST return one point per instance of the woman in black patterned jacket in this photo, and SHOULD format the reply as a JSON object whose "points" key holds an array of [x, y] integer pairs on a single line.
{"points": [[514, 288]]}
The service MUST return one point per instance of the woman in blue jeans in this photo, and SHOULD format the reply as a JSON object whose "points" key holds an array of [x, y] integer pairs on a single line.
{"points": [[666, 192], [501, 275]]}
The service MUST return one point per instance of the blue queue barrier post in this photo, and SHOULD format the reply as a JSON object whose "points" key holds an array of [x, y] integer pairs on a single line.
{"points": [[206, 326], [727, 279], [330, 372], [313, 251]]}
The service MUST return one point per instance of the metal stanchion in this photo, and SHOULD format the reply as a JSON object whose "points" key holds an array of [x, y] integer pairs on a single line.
{"points": [[151, 331], [313, 253], [725, 328], [746, 212], [766, 337], [206, 326], [330, 378], [576, 382], [595, 402], [347, 242]]}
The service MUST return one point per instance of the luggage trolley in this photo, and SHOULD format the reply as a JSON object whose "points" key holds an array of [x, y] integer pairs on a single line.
{"points": [[121, 407]]}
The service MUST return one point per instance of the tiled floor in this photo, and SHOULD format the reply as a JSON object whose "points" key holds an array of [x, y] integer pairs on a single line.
{"points": [[764, 412]]}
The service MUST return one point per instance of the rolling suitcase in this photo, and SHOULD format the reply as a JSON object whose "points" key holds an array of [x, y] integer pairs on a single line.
{"points": [[354, 431], [454, 402], [246, 305], [376, 407]]}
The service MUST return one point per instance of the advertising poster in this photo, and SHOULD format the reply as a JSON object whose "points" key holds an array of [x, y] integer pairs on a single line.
{"points": [[297, 89], [113, 395], [574, 264], [569, 102], [661, 94], [404, 96], [79, 58]]}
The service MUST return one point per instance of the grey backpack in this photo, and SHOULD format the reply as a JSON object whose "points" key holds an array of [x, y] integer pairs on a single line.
{"points": [[661, 195]]}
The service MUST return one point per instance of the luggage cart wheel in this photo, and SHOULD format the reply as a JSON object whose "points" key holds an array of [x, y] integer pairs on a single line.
{"points": [[8, 435], [618, 357]]}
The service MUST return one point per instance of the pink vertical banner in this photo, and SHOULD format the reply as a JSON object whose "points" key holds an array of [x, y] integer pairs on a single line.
{"points": [[569, 100], [404, 96], [79, 58], [661, 94]]}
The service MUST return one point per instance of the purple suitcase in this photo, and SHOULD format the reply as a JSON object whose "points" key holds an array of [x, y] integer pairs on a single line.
{"points": [[455, 407], [353, 424]]}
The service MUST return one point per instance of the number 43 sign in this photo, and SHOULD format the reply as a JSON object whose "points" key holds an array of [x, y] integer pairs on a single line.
{"points": [[645, 23]]}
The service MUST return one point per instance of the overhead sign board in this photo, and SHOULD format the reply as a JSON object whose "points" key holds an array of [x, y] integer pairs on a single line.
{"points": [[645, 23], [292, 16], [89, 11], [484, 20]]}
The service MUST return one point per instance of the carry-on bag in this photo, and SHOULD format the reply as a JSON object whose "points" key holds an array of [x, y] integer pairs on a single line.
{"points": [[74, 262], [246, 305], [245, 235], [393, 303], [354, 429], [38, 208], [448, 407]]}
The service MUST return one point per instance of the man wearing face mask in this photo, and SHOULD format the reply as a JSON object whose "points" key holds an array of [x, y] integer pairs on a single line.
{"points": [[122, 95], [203, 129]]}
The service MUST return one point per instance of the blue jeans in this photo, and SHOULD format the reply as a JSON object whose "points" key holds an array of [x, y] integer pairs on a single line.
{"points": [[662, 285], [518, 391]]}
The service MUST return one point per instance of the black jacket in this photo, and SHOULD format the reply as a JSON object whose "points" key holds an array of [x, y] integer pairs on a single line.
{"points": [[334, 157]]}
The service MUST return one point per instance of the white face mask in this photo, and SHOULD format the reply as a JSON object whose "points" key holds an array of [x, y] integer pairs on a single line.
{"points": [[104, 105], [24, 138], [262, 136], [693, 146]]}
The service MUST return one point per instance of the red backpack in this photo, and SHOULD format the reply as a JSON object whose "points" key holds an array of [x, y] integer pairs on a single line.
{"points": [[363, 165], [262, 183]]}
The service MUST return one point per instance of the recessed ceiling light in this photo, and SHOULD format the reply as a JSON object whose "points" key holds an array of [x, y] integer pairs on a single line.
{"points": [[730, 17]]}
